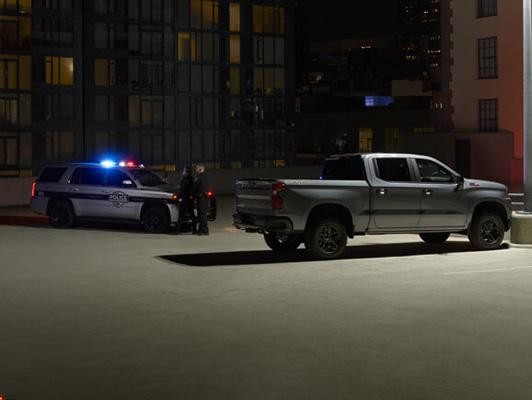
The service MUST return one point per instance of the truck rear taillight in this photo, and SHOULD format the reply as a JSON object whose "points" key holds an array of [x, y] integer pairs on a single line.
{"points": [[277, 200], [33, 189]]}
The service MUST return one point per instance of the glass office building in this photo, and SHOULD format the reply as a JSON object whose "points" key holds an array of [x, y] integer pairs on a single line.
{"points": [[167, 82]]}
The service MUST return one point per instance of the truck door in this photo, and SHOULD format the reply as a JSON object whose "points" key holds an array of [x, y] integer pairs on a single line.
{"points": [[441, 203], [395, 195]]}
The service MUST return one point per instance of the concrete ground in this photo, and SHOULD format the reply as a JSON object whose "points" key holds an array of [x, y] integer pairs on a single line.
{"points": [[112, 313]]}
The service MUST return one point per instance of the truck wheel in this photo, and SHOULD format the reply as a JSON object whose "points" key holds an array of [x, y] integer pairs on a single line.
{"points": [[283, 243], [434, 238], [487, 231], [62, 215], [326, 239], [156, 220]]}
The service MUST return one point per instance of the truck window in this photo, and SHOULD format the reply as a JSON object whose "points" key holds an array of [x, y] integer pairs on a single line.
{"points": [[52, 174], [344, 169], [432, 172], [393, 169]]}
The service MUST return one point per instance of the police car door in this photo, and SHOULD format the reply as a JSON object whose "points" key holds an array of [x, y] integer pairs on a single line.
{"points": [[85, 191], [119, 189]]}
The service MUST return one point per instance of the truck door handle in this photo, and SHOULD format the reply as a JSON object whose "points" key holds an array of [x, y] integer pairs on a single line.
{"points": [[427, 192], [381, 192], [74, 190]]}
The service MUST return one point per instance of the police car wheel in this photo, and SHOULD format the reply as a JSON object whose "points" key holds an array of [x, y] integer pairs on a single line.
{"points": [[155, 220], [61, 215]]}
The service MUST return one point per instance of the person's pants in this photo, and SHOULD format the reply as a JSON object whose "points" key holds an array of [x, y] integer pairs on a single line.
{"points": [[202, 204], [186, 208]]}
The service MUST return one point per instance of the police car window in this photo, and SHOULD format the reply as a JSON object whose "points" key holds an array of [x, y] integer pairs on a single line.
{"points": [[432, 172], [51, 174], [116, 178], [393, 169], [147, 178], [92, 176], [344, 169]]}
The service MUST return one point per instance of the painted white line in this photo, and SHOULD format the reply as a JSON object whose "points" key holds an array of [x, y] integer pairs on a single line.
{"points": [[482, 271]]}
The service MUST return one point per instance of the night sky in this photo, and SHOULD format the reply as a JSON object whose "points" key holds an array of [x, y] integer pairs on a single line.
{"points": [[333, 19]]}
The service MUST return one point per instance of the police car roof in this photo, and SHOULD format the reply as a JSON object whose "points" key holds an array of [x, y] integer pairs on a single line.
{"points": [[90, 164]]}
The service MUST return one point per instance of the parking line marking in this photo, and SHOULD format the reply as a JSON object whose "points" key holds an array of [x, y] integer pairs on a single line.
{"points": [[480, 271]]}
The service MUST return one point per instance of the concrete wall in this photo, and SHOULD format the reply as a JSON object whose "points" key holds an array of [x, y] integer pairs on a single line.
{"points": [[466, 88], [15, 191]]}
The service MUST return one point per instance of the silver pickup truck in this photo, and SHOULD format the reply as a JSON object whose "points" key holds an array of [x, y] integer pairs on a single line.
{"points": [[363, 194]]}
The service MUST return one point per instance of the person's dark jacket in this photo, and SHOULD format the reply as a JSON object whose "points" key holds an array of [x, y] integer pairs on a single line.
{"points": [[201, 185], [186, 186]]}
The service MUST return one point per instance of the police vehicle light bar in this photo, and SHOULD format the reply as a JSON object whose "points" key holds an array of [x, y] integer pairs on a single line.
{"points": [[108, 164]]}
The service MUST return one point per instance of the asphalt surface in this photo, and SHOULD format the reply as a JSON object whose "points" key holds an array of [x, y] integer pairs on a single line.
{"points": [[112, 313]]}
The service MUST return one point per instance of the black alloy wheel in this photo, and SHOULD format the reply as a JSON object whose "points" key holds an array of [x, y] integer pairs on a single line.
{"points": [[61, 215], [283, 242], [156, 220], [487, 232], [326, 239]]}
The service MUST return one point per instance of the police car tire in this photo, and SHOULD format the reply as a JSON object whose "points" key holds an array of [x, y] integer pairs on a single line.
{"points": [[62, 215], [156, 220]]}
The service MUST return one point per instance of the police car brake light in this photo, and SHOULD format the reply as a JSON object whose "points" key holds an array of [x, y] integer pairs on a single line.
{"points": [[33, 191]]}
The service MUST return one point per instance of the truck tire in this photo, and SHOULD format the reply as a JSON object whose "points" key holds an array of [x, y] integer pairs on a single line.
{"points": [[487, 231], [156, 220], [283, 243], [434, 238], [326, 239], [61, 215]]}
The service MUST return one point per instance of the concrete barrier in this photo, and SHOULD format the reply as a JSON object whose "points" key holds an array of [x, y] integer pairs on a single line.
{"points": [[15, 191]]}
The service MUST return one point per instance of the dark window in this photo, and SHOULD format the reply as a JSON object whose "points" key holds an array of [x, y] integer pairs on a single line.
{"points": [[488, 111], [116, 178], [393, 169], [486, 8], [92, 176], [52, 174], [432, 172], [147, 178], [487, 58], [344, 169], [9, 151]]}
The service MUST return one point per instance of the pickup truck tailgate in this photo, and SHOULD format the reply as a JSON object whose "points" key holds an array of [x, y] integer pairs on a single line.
{"points": [[254, 195]]}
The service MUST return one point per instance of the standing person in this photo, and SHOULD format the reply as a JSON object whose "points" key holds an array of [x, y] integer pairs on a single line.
{"points": [[187, 201], [200, 193]]}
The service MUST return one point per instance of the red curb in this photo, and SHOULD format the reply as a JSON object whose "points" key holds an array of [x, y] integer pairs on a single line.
{"points": [[23, 220]]}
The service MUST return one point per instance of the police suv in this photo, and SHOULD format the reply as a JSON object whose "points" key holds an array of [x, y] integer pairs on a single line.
{"points": [[125, 191]]}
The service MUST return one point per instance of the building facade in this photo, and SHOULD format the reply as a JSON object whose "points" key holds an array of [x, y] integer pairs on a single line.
{"points": [[487, 79], [167, 82]]}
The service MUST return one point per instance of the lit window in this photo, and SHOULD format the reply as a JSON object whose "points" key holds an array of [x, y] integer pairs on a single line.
{"points": [[234, 17], [104, 72], [234, 49], [365, 140], [235, 81], [8, 151], [60, 145], [59, 70]]}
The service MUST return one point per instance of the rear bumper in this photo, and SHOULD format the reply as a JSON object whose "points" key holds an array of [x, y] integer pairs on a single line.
{"points": [[262, 224]]}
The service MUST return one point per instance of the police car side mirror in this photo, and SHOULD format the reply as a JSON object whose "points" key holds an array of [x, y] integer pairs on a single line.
{"points": [[127, 183]]}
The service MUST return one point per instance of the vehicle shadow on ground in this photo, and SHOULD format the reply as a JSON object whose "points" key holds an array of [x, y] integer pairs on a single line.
{"points": [[261, 257]]}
